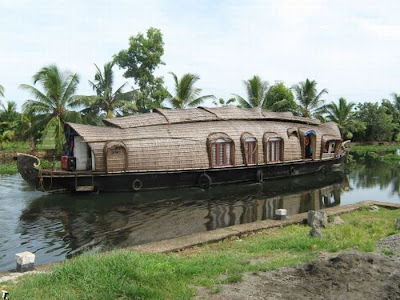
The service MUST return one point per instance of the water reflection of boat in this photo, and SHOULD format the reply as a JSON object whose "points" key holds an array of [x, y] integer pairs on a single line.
{"points": [[119, 220]]}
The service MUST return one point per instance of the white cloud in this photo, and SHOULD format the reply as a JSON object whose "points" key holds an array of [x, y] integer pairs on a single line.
{"points": [[379, 29]]}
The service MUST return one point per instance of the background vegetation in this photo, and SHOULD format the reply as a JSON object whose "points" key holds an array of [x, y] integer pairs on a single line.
{"points": [[54, 101]]}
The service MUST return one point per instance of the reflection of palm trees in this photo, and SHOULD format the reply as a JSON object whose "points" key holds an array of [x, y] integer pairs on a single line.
{"points": [[376, 173]]}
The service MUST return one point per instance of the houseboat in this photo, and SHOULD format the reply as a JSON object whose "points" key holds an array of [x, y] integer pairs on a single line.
{"points": [[185, 148]]}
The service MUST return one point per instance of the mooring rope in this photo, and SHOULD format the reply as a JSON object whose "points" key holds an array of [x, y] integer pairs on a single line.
{"points": [[41, 183]]}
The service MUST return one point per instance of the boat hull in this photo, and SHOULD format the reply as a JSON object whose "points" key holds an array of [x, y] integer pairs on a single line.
{"points": [[52, 181]]}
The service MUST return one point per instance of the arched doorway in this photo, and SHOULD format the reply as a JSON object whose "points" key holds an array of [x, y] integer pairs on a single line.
{"points": [[116, 157], [309, 144]]}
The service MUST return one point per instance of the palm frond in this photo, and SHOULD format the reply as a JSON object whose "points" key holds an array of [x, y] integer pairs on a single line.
{"points": [[1, 91]]}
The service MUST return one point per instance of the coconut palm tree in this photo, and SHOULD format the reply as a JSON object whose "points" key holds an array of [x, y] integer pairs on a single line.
{"points": [[106, 100], [256, 90], [1, 91], [309, 99], [186, 95], [344, 116], [8, 112], [9, 121], [223, 102], [396, 98], [52, 104]]}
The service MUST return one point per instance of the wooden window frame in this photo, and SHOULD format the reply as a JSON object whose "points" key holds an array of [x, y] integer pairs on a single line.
{"points": [[250, 151], [218, 147], [270, 144]]}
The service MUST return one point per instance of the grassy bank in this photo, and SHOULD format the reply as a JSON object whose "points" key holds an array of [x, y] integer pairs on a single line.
{"points": [[380, 152], [11, 168], [8, 168], [128, 275]]}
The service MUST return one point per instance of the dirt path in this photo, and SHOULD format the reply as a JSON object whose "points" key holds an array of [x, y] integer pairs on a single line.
{"points": [[341, 276]]}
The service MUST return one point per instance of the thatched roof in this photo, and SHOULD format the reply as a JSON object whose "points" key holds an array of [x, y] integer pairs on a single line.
{"points": [[203, 114], [184, 124]]}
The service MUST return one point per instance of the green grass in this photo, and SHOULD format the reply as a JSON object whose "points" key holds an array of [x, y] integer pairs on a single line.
{"points": [[8, 168], [129, 275], [15, 146], [23, 146], [11, 168]]}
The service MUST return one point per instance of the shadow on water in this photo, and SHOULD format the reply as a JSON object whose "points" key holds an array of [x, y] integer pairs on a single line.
{"points": [[73, 223]]}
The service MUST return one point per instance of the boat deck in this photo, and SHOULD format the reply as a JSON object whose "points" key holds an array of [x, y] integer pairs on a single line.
{"points": [[60, 172]]}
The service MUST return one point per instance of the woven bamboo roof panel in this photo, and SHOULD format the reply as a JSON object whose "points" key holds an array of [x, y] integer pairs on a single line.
{"points": [[235, 113], [95, 133], [137, 120], [184, 145], [187, 115], [203, 114]]}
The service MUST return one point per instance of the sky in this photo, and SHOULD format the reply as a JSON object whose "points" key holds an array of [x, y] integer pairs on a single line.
{"points": [[351, 48]]}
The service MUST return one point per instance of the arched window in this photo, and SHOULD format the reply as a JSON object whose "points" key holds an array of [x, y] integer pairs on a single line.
{"points": [[249, 149], [221, 150], [292, 132], [330, 146], [273, 147]]}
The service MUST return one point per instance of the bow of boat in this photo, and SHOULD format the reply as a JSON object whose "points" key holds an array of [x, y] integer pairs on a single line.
{"points": [[28, 168]]}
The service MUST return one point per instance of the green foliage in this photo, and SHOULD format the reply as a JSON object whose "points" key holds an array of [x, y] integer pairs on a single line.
{"points": [[106, 100], [131, 275], [140, 61], [345, 117], [51, 105], [16, 146], [223, 102], [379, 124], [9, 122], [309, 99], [378, 152], [279, 98], [11, 167], [8, 168], [186, 95], [256, 90], [1, 91], [392, 109]]}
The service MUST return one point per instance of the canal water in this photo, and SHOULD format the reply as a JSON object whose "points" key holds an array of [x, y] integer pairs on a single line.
{"points": [[59, 226]]}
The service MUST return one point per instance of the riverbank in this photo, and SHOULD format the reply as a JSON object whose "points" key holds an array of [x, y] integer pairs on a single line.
{"points": [[127, 274], [11, 168], [382, 152]]}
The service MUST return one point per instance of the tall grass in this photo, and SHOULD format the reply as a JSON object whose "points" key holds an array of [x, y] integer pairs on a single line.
{"points": [[126, 274]]}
